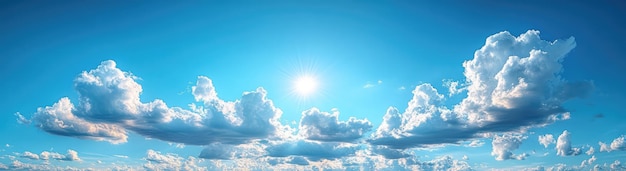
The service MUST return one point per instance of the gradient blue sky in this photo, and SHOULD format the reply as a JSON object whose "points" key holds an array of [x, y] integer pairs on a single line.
{"points": [[366, 57]]}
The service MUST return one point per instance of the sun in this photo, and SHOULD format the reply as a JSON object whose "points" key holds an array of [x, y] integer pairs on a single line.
{"points": [[305, 85]]}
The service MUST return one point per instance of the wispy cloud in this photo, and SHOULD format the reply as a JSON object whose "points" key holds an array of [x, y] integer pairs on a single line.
{"points": [[370, 85]]}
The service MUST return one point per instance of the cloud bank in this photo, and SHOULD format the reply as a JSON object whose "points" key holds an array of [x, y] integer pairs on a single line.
{"points": [[512, 83]]}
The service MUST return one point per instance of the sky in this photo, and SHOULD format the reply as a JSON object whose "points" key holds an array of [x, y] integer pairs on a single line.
{"points": [[312, 85]]}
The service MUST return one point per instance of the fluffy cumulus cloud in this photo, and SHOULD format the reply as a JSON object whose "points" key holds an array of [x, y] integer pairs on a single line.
{"points": [[512, 83], [617, 144], [109, 105], [46, 155], [564, 145], [502, 147], [423, 123], [28, 154], [546, 140], [71, 156], [323, 126], [60, 119], [588, 162]]}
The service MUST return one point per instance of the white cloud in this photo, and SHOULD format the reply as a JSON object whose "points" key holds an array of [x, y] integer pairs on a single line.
{"points": [[476, 143], [422, 123], [513, 83], [204, 90], [546, 140], [45, 155], [323, 126], [454, 87], [604, 147], [71, 156], [588, 162], [121, 156], [157, 157], [617, 165], [21, 119], [157, 161], [566, 116], [365, 161], [502, 147], [109, 105], [564, 146], [617, 144], [17, 165], [28, 154], [510, 80], [370, 85], [590, 151], [252, 117], [59, 119]]}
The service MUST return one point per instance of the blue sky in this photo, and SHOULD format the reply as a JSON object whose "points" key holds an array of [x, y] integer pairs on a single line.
{"points": [[398, 85]]}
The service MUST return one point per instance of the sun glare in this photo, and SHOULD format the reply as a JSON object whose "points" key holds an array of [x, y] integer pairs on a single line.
{"points": [[305, 85]]}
